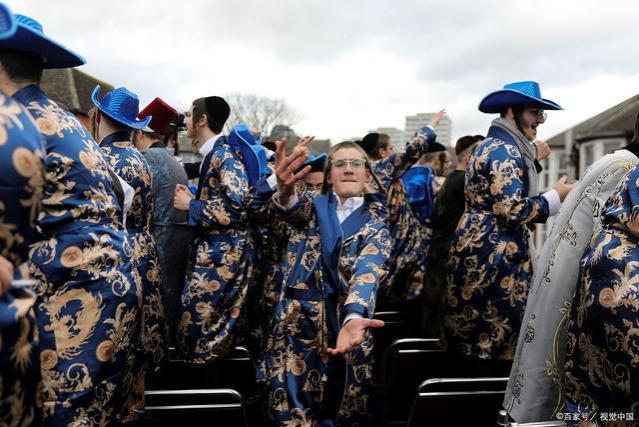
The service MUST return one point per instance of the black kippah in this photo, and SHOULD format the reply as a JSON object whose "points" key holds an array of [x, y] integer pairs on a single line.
{"points": [[218, 110], [369, 142], [435, 147]]}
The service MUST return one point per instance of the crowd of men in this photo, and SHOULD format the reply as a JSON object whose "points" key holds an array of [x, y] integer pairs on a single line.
{"points": [[108, 257]]}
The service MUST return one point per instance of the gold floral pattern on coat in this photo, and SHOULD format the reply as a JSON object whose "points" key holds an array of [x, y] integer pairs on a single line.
{"points": [[80, 219], [602, 356], [490, 265], [21, 185]]}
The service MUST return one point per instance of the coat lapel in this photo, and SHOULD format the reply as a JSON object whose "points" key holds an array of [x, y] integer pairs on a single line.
{"points": [[331, 244]]}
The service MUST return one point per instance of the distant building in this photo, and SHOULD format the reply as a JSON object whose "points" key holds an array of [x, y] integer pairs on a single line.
{"points": [[73, 88], [444, 129], [398, 137], [576, 148]]}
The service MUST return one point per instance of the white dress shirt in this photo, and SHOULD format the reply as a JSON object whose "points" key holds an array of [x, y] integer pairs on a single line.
{"points": [[350, 205], [343, 211], [129, 193]]}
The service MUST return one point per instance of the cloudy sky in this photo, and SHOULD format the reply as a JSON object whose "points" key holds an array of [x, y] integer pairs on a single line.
{"points": [[348, 66]]}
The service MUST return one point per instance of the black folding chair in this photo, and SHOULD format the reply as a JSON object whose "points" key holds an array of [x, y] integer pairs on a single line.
{"points": [[235, 371], [224, 407], [397, 325], [406, 363], [458, 401]]}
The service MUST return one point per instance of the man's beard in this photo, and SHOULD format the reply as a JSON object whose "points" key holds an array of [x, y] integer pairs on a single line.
{"points": [[518, 121]]}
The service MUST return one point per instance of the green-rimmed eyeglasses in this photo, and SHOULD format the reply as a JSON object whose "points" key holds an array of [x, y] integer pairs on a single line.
{"points": [[355, 163]]}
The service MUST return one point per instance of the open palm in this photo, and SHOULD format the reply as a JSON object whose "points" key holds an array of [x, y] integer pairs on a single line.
{"points": [[352, 334]]}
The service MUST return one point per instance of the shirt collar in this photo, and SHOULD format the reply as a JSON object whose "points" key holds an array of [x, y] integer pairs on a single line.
{"points": [[350, 205], [206, 148]]}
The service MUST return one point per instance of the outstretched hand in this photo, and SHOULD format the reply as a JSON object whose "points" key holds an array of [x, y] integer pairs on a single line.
{"points": [[287, 168], [438, 117], [352, 334]]}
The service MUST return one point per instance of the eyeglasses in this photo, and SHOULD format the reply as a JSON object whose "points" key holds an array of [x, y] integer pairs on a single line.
{"points": [[541, 114], [355, 163]]}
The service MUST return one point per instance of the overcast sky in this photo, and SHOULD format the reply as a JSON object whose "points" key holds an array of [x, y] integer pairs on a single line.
{"points": [[348, 66]]}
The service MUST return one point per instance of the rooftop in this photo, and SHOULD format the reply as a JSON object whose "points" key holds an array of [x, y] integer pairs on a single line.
{"points": [[72, 87], [616, 121]]}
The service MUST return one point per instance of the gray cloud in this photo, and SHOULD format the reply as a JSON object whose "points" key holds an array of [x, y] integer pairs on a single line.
{"points": [[456, 51]]}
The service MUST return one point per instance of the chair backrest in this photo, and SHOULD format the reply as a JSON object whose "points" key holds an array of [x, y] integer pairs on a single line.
{"points": [[406, 363], [433, 385], [235, 370], [191, 407], [392, 316], [417, 344], [458, 401], [397, 325]]}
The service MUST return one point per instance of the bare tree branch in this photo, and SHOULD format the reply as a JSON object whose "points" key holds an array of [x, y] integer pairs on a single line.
{"points": [[260, 112]]}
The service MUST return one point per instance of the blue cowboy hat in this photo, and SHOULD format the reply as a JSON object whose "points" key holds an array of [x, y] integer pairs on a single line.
{"points": [[516, 94], [29, 37], [253, 155], [8, 25], [316, 163], [121, 105]]}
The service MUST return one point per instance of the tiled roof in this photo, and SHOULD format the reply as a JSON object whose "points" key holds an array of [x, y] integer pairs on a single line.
{"points": [[619, 119], [72, 88]]}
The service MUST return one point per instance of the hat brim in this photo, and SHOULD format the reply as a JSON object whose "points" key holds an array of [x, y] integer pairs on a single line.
{"points": [[499, 100], [55, 55], [317, 164], [249, 159], [8, 24], [137, 125]]}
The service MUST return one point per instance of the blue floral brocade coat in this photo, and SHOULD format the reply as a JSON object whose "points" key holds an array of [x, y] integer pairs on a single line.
{"points": [[89, 306], [602, 345], [131, 166], [222, 257], [21, 184], [407, 263], [330, 269], [490, 264]]}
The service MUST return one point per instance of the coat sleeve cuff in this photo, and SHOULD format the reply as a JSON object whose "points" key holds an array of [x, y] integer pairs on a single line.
{"points": [[266, 185], [272, 182], [350, 316], [196, 212], [360, 309], [554, 202], [287, 207]]}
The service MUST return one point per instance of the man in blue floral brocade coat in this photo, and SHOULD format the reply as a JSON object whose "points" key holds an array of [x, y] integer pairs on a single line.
{"points": [[21, 185], [115, 120], [408, 256], [336, 257], [490, 258], [602, 353], [88, 308], [223, 255]]}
